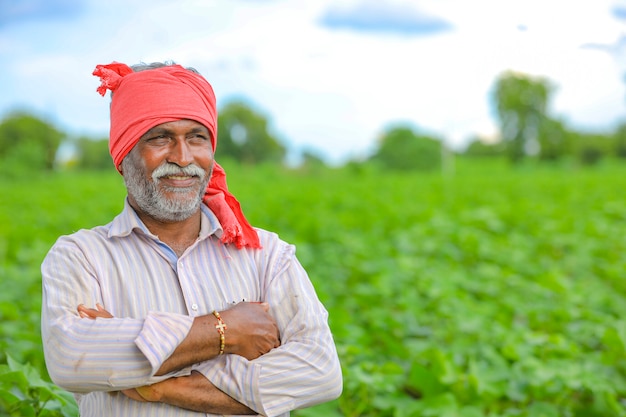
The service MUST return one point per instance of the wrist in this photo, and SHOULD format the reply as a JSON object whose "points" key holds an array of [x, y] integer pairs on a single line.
{"points": [[221, 327]]}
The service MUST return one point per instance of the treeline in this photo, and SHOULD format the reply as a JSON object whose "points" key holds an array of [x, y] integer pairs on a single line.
{"points": [[527, 131], [26, 140]]}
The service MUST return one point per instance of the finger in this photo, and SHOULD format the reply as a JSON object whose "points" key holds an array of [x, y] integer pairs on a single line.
{"points": [[83, 312], [83, 308], [92, 313], [103, 311]]}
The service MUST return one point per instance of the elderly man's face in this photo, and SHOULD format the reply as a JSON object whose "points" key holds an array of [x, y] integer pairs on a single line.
{"points": [[168, 170]]}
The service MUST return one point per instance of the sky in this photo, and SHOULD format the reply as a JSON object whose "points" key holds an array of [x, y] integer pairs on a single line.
{"points": [[330, 75]]}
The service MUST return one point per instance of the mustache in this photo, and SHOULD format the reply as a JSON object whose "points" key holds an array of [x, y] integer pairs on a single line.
{"points": [[168, 168]]}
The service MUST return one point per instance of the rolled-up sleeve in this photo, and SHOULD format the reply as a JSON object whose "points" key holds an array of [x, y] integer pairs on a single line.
{"points": [[304, 370]]}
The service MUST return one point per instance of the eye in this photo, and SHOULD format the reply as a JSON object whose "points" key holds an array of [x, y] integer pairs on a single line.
{"points": [[160, 139], [198, 138]]}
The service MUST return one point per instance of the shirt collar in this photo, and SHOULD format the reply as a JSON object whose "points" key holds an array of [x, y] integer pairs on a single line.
{"points": [[128, 221]]}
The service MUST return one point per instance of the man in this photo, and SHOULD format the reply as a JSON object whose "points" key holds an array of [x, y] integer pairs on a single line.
{"points": [[178, 306]]}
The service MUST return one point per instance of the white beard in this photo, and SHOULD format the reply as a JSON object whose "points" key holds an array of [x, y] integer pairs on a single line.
{"points": [[150, 197]]}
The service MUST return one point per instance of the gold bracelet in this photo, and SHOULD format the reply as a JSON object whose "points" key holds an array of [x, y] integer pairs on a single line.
{"points": [[220, 326]]}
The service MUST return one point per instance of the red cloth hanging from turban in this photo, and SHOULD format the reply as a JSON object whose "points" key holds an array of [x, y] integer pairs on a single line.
{"points": [[144, 99]]}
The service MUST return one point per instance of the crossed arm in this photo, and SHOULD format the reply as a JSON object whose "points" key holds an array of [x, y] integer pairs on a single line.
{"points": [[251, 333], [176, 353]]}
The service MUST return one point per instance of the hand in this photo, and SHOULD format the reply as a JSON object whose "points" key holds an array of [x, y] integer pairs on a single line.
{"points": [[161, 390], [146, 393], [134, 394], [93, 313], [193, 392], [251, 330]]}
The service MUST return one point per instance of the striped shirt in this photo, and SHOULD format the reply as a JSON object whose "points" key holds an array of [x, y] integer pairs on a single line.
{"points": [[154, 296]]}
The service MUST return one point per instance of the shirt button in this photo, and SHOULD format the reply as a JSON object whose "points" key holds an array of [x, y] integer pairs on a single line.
{"points": [[194, 307]]}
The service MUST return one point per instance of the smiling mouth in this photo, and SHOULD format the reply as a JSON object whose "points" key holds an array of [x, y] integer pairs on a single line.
{"points": [[178, 177], [179, 181]]}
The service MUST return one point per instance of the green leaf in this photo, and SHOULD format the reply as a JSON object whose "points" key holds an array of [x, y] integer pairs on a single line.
{"points": [[422, 382], [15, 379], [7, 398], [443, 405], [540, 409]]}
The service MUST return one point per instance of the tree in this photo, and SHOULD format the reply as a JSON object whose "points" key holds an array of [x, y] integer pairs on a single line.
{"points": [[521, 103], [480, 148], [312, 161], [554, 139], [620, 141], [403, 149], [27, 141], [243, 135], [93, 154], [590, 148]]}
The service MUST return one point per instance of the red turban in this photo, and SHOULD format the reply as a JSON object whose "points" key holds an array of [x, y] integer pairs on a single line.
{"points": [[145, 99]]}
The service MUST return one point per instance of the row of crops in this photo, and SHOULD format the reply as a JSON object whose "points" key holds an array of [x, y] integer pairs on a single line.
{"points": [[484, 292]]}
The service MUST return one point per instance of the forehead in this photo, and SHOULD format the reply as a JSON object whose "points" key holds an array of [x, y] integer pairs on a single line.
{"points": [[182, 125]]}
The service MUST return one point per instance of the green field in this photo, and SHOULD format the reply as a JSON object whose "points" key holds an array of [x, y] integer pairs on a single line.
{"points": [[488, 291]]}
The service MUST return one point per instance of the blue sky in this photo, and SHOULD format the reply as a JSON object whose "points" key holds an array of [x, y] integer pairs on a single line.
{"points": [[330, 75]]}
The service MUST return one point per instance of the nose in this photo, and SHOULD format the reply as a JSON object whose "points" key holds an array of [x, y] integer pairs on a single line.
{"points": [[180, 153]]}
